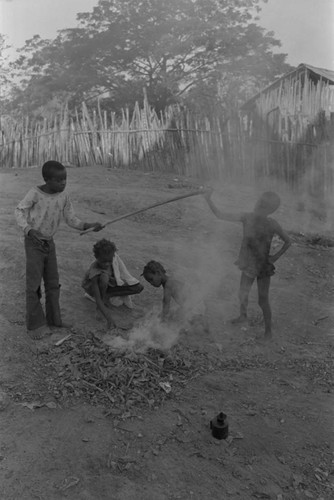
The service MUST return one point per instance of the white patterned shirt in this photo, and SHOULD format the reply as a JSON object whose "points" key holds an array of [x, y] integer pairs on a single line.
{"points": [[43, 212]]}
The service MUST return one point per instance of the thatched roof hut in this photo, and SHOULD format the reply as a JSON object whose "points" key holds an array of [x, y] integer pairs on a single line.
{"points": [[293, 103]]}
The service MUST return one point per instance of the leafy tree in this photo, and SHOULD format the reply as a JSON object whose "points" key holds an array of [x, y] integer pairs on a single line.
{"points": [[4, 74], [176, 49]]}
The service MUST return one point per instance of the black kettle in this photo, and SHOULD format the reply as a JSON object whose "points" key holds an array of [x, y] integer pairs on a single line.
{"points": [[219, 426]]}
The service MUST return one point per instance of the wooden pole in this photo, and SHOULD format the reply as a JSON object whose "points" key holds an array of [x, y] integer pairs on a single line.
{"points": [[181, 197]]}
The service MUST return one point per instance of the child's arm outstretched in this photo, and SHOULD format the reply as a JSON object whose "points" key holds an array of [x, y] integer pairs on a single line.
{"points": [[286, 243], [73, 221], [100, 303], [220, 215], [166, 301]]}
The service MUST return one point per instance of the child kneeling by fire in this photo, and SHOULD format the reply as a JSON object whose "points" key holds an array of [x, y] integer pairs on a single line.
{"points": [[191, 311], [108, 277]]}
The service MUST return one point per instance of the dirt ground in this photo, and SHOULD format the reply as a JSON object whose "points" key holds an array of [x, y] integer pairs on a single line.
{"points": [[60, 441]]}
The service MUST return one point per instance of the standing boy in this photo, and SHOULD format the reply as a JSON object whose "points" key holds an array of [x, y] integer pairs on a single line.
{"points": [[255, 261], [39, 215]]}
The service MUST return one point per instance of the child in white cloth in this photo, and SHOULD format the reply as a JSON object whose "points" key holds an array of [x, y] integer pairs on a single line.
{"points": [[108, 277]]}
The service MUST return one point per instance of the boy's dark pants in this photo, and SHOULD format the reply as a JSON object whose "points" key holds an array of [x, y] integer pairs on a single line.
{"points": [[119, 291], [41, 263]]}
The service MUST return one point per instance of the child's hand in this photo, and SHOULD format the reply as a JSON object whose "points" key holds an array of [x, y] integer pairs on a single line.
{"points": [[36, 236], [207, 192], [97, 226], [110, 322]]}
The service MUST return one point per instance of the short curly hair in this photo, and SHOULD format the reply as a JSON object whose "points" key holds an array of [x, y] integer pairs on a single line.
{"points": [[50, 167], [104, 246], [269, 201], [153, 267]]}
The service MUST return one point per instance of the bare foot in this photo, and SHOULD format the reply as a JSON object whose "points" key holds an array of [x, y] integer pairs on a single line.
{"points": [[39, 333], [116, 301], [127, 302], [239, 320], [265, 339]]}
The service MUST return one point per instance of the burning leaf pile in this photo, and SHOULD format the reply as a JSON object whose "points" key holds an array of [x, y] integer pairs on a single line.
{"points": [[85, 368]]}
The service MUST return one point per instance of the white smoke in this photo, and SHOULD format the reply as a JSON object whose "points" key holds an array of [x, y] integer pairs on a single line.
{"points": [[151, 332]]}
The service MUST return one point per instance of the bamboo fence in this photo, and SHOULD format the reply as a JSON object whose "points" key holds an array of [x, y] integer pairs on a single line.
{"points": [[293, 127], [288, 135]]}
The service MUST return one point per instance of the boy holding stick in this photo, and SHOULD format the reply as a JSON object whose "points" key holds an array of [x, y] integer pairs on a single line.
{"points": [[39, 215], [255, 261]]}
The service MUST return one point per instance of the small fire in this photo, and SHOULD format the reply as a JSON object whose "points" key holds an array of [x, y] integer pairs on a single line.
{"points": [[151, 332]]}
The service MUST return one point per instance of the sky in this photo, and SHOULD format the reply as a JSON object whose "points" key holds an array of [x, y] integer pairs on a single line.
{"points": [[304, 27]]}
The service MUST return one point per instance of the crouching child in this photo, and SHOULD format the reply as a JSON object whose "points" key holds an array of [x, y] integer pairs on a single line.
{"points": [[108, 277], [191, 312], [155, 274]]}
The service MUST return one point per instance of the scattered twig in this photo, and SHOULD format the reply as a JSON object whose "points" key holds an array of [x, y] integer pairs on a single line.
{"points": [[123, 429], [88, 368], [61, 341], [317, 321]]}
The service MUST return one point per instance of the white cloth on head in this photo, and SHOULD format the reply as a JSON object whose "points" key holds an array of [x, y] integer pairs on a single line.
{"points": [[121, 274]]}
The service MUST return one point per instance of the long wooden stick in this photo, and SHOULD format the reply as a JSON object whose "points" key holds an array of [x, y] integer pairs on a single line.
{"points": [[193, 193]]}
